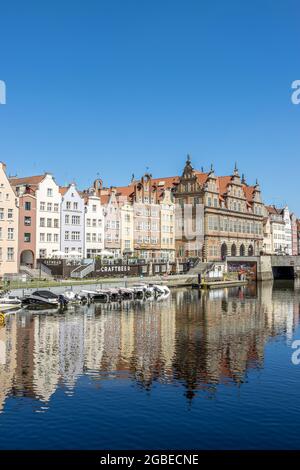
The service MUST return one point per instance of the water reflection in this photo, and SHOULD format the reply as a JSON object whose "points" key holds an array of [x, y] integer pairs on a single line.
{"points": [[194, 339]]}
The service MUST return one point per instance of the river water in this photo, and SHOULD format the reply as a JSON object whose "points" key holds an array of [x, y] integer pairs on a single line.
{"points": [[209, 370]]}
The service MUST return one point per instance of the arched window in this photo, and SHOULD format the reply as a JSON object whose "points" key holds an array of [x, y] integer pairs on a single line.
{"points": [[223, 251], [233, 250], [242, 250], [250, 250]]}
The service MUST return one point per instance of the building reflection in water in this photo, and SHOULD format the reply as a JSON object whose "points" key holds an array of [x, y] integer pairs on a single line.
{"points": [[195, 339]]}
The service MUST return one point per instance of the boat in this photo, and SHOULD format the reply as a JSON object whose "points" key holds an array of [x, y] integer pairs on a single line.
{"points": [[9, 301], [126, 293], [72, 297], [44, 299], [96, 295]]}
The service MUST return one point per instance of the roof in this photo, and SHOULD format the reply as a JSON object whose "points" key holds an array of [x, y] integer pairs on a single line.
{"points": [[63, 189], [27, 180]]}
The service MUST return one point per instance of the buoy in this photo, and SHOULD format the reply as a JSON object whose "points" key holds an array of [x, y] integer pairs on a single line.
{"points": [[2, 319]]}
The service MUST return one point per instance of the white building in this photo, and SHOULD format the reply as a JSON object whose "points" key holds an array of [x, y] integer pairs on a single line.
{"points": [[48, 217], [281, 230], [94, 225], [72, 220]]}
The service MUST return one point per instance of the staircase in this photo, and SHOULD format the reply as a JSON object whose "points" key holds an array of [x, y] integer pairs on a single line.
{"points": [[41, 271], [200, 268], [83, 270]]}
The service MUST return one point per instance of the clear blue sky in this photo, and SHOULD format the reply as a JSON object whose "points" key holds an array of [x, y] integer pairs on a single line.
{"points": [[115, 86]]}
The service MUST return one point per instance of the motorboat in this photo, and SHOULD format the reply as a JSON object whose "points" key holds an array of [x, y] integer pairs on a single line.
{"points": [[96, 295], [138, 291], [8, 301], [161, 291], [126, 293], [44, 299], [114, 295], [73, 297]]}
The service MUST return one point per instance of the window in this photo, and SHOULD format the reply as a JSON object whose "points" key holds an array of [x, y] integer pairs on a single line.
{"points": [[27, 237], [42, 222], [94, 208], [10, 254], [0, 254], [49, 207], [1, 213], [0, 233], [55, 238], [93, 237], [27, 206], [67, 235], [67, 219], [42, 206], [75, 236], [56, 207], [27, 221], [56, 224], [10, 213], [43, 253], [49, 192], [10, 234], [49, 223], [94, 222], [75, 206], [42, 237], [75, 220], [88, 237], [49, 237], [68, 205]]}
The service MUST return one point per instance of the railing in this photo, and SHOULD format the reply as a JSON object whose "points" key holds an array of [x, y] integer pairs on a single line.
{"points": [[83, 270], [44, 269]]}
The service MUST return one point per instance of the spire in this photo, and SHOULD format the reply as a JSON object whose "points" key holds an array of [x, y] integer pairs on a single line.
{"points": [[236, 171], [257, 187], [243, 179], [188, 165]]}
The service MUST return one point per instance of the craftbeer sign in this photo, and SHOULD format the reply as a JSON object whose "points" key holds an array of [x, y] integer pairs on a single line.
{"points": [[116, 270]]}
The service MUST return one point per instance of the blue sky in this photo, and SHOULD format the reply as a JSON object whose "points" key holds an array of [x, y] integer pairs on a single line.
{"points": [[116, 86]]}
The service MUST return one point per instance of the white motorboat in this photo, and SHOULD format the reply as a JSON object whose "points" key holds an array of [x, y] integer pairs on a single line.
{"points": [[9, 301]]}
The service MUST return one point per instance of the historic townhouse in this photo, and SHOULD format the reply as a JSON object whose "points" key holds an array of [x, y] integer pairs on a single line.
{"points": [[72, 220], [154, 217], [94, 224], [47, 211], [294, 235], [27, 226], [283, 230], [8, 225], [267, 243], [112, 217], [224, 215]]}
